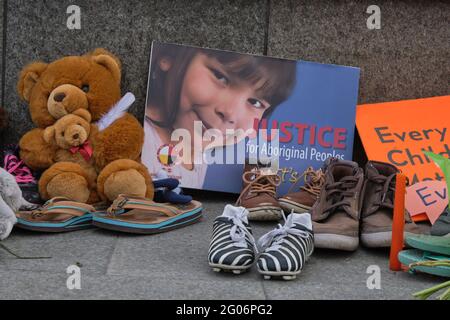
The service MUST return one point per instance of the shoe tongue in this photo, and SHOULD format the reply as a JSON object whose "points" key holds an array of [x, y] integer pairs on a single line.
{"points": [[265, 172], [343, 169], [232, 211], [303, 219], [384, 169]]}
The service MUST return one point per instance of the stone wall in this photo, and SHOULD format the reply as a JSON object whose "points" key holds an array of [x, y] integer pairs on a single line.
{"points": [[409, 57]]}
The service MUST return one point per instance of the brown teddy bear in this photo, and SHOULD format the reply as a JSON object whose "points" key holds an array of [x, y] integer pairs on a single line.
{"points": [[90, 82], [73, 135]]}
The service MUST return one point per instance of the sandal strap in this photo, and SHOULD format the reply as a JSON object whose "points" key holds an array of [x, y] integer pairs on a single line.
{"points": [[60, 205], [131, 202]]}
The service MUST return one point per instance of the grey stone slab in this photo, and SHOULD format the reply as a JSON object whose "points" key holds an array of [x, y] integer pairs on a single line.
{"points": [[91, 249], [342, 275], [37, 30], [177, 254], [407, 58], [44, 286]]}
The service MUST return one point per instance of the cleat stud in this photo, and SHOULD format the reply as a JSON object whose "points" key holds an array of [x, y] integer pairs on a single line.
{"points": [[267, 277]]}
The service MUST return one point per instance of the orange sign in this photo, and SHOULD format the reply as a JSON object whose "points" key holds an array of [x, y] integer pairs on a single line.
{"points": [[429, 197], [399, 132]]}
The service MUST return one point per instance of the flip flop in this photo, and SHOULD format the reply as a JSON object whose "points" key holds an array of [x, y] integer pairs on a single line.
{"points": [[144, 216], [57, 215], [435, 244], [411, 257]]}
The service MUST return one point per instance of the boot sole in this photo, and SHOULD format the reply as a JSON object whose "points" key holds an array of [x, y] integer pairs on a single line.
{"points": [[285, 275], [264, 214], [335, 241], [226, 268], [288, 206], [379, 239]]}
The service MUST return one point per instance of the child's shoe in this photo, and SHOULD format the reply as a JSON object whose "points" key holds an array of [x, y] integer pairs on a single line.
{"points": [[302, 200], [286, 249], [23, 175], [258, 195], [232, 246], [378, 206], [336, 213]]}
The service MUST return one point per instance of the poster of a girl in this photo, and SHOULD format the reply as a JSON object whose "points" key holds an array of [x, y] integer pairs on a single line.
{"points": [[224, 90]]}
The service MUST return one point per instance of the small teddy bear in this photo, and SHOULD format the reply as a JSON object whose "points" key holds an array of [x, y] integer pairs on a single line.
{"points": [[72, 136]]}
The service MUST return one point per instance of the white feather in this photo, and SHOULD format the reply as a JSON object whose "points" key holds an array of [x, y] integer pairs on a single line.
{"points": [[116, 112]]}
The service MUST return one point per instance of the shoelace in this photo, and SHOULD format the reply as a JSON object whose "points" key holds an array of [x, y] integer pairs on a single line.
{"points": [[259, 183], [313, 179], [18, 169], [388, 192], [273, 239], [238, 230], [338, 191]]}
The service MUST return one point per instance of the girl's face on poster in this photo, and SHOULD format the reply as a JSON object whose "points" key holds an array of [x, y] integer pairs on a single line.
{"points": [[217, 99]]}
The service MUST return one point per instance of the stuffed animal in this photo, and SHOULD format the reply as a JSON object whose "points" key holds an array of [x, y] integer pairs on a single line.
{"points": [[168, 190], [90, 82], [11, 200], [73, 137]]}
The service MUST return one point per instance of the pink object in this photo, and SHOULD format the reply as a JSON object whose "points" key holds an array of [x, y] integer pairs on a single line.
{"points": [[18, 169], [429, 197], [84, 149]]}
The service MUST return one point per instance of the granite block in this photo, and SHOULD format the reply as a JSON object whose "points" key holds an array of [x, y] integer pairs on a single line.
{"points": [[407, 58], [343, 275], [37, 30], [48, 286], [91, 249]]}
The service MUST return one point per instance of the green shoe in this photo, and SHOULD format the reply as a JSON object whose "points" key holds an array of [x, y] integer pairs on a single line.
{"points": [[441, 227], [425, 262]]}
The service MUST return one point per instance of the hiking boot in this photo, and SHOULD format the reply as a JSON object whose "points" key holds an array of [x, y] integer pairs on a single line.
{"points": [[258, 195], [336, 213], [11, 162], [378, 206], [302, 201]]}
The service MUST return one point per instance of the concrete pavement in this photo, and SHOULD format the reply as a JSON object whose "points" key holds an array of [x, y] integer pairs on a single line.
{"points": [[173, 265]]}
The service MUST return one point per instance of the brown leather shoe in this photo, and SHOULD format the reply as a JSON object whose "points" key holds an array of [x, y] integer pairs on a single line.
{"points": [[258, 195], [336, 213], [378, 206], [302, 201]]}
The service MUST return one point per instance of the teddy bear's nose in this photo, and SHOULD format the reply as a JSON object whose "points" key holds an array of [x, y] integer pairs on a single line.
{"points": [[76, 136], [59, 97]]}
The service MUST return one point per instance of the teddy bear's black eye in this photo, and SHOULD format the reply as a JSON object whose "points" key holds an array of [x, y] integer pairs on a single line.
{"points": [[85, 88], [62, 134]]}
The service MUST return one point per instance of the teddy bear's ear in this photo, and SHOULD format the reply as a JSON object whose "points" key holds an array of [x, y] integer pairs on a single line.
{"points": [[108, 60], [28, 78], [83, 113], [49, 134]]}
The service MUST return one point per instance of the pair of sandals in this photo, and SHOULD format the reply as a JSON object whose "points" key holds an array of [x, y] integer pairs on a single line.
{"points": [[127, 214], [428, 254]]}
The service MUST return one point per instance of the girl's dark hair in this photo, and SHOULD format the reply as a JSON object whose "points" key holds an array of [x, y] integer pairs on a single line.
{"points": [[165, 87]]}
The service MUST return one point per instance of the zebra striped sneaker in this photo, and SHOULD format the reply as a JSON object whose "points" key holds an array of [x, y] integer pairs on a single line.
{"points": [[232, 246], [286, 249]]}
